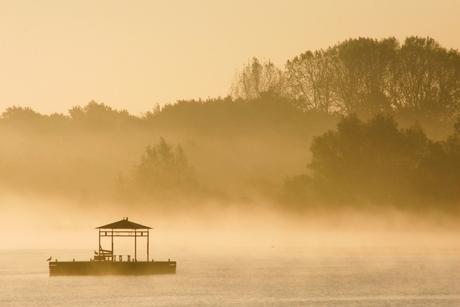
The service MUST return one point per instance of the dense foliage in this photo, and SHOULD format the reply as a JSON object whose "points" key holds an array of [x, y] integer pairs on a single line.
{"points": [[163, 174], [365, 76], [397, 143], [238, 150], [374, 163]]}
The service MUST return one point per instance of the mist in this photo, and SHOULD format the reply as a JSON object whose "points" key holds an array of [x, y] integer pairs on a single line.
{"points": [[230, 230], [282, 164]]}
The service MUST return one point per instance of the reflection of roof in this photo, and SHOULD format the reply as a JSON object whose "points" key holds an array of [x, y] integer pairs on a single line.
{"points": [[123, 224]]}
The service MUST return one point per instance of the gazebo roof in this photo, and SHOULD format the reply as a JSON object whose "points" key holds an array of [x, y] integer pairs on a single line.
{"points": [[123, 224]]}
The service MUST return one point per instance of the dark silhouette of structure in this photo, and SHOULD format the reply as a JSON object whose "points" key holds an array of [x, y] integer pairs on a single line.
{"points": [[105, 261]]}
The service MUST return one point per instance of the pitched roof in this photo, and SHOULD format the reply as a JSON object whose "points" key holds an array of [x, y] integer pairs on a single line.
{"points": [[123, 224]]}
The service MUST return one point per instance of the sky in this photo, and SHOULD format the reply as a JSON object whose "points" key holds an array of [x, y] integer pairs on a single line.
{"points": [[132, 55]]}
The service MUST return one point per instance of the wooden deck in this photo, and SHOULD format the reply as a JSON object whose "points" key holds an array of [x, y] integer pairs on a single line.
{"points": [[66, 268]]}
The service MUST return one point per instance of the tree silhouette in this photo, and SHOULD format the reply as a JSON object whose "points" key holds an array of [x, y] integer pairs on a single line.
{"points": [[101, 117], [365, 76], [309, 80], [428, 79], [361, 69], [362, 163], [439, 175], [256, 78], [25, 118], [163, 173]]}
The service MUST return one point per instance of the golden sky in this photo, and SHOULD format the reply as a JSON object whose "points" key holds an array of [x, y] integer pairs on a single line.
{"points": [[132, 54]]}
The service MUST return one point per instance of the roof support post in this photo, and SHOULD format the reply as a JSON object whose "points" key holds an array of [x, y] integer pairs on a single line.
{"points": [[112, 244], [126, 228]]}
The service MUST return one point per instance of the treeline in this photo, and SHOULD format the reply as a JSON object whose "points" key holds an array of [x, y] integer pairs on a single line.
{"points": [[417, 79], [372, 163], [224, 149], [241, 148]]}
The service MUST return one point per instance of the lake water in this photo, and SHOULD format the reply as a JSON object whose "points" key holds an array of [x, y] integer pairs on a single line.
{"points": [[267, 279]]}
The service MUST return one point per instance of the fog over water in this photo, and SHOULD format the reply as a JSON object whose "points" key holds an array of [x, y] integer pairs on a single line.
{"points": [[273, 279], [321, 184], [231, 257], [48, 224]]}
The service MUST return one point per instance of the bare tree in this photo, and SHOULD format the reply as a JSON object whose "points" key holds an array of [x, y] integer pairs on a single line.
{"points": [[256, 78], [362, 70], [309, 80], [428, 78]]}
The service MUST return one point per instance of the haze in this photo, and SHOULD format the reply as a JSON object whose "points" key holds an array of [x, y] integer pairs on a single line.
{"points": [[233, 159], [131, 55]]}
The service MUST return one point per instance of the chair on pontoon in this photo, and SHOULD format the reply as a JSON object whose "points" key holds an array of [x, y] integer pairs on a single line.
{"points": [[103, 255]]}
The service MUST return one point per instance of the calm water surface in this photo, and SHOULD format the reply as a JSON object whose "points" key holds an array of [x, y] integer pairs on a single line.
{"points": [[267, 279]]}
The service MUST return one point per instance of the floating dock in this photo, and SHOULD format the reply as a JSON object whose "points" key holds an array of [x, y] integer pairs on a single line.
{"points": [[65, 268], [106, 262]]}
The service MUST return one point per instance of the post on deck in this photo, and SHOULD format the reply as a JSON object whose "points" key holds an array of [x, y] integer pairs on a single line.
{"points": [[135, 244], [112, 244], [124, 228]]}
